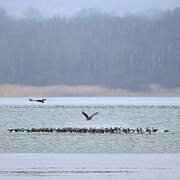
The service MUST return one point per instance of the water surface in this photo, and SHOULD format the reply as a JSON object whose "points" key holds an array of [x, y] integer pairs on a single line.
{"points": [[161, 113]]}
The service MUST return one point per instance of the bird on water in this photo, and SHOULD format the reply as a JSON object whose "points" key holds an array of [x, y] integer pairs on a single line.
{"points": [[38, 100], [87, 116]]}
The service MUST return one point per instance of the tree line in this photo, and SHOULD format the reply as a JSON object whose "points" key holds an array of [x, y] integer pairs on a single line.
{"points": [[91, 48]]}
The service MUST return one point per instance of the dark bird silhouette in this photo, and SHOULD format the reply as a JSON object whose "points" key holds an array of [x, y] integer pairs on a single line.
{"points": [[87, 116], [38, 100]]}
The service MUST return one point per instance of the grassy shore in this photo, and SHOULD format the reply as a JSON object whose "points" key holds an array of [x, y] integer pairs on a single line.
{"points": [[7, 90]]}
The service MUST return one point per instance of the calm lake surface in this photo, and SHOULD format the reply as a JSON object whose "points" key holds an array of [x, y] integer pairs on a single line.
{"points": [[161, 113]]}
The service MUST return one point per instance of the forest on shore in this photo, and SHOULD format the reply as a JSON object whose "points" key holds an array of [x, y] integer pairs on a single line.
{"points": [[91, 48]]}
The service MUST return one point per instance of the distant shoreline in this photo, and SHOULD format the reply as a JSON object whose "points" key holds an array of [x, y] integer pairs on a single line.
{"points": [[7, 90]]}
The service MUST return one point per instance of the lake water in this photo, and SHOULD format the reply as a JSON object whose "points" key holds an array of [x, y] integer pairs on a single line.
{"points": [[161, 113], [49, 166]]}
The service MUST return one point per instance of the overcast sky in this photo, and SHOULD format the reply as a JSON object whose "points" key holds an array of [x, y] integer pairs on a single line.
{"points": [[70, 7]]}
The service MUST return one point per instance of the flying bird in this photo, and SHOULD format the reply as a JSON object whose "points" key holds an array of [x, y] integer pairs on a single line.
{"points": [[38, 100], [87, 116]]}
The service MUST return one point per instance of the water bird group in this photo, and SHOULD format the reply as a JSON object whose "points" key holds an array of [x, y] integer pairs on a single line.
{"points": [[111, 130], [88, 130]]}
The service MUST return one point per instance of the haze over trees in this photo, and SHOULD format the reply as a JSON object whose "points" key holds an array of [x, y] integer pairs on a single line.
{"points": [[91, 48]]}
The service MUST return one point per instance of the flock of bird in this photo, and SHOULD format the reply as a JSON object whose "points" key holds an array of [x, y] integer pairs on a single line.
{"points": [[111, 130], [88, 130]]}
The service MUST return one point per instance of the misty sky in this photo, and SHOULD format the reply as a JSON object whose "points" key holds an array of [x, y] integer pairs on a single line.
{"points": [[70, 7]]}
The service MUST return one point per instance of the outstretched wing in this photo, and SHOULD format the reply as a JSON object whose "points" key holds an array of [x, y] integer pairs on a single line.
{"points": [[94, 114], [43, 100], [85, 114]]}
